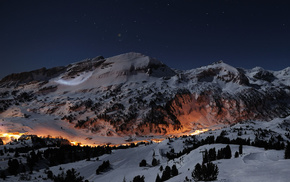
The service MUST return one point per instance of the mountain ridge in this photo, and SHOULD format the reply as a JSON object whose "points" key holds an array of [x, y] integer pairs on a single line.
{"points": [[134, 95]]}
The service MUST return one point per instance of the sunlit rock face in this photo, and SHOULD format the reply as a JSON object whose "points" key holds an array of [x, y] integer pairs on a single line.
{"points": [[134, 94], [211, 108]]}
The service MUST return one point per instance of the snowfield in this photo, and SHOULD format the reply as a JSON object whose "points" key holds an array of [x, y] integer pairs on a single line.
{"points": [[253, 165]]}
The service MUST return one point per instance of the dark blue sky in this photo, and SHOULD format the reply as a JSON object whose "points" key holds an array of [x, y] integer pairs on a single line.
{"points": [[184, 34]]}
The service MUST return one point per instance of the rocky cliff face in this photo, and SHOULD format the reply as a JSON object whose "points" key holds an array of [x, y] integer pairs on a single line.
{"points": [[210, 108], [135, 94]]}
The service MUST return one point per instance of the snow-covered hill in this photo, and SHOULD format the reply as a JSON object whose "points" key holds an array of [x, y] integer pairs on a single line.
{"points": [[109, 100], [254, 164]]}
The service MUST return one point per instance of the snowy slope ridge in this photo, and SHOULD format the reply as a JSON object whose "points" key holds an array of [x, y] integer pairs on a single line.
{"points": [[131, 95]]}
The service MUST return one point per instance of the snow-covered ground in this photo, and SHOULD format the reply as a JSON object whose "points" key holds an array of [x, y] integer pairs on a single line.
{"points": [[253, 165]]}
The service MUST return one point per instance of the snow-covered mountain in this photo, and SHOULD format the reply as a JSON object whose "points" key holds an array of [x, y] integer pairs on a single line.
{"points": [[132, 95]]}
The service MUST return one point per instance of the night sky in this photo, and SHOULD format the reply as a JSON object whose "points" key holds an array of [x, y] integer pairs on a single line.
{"points": [[183, 34]]}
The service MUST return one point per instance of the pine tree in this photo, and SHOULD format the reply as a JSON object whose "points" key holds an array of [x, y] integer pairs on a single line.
{"points": [[236, 154], [105, 166], [219, 155], [197, 173], [174, 170], [49, 174], [205, 172], [212, 154], [154, 162], [3, 175], [158, 179], [166, 173], [16, 153], [73, 176], [13, 166], [143, 163], [287, 151], [211, 172], [30, 163], [139, 178], [228, 152], [205, 157], [241, 149]]}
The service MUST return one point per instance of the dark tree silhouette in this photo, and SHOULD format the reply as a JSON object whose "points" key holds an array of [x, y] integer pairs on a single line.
{"points": [[287, 151], [154, 162], [174, 171], [158, 179], [70, 176], [49, 174], [228, 152], [3, 175], [13, 166], [241, 149], [205, 172], [212, 154], [139, 179], [166, 174], [197, 172], [236, 154], [143, 163], [105, 166]]}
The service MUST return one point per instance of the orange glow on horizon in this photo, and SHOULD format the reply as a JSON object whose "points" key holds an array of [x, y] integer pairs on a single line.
{"points": [[7, 137], [15, 135], [197, 132]]}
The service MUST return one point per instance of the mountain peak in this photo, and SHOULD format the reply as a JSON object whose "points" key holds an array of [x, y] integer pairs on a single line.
{"points": [[128, 67], [134, 94], [137, 62]]}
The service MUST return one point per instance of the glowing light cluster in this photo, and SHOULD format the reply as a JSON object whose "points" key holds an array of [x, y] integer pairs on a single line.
{"points": [[7, 137], [197, 132], [11, 135], [78, 144], [157, 140]]}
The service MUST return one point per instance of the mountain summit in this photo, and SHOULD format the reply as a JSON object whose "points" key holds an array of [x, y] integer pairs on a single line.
{"points": [[133, 94]]}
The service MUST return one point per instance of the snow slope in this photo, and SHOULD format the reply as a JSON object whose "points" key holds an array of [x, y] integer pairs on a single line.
{"points": [[254, 164]]}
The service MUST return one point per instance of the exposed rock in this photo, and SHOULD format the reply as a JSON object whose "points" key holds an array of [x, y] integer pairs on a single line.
{"points": [[133, 94]]}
